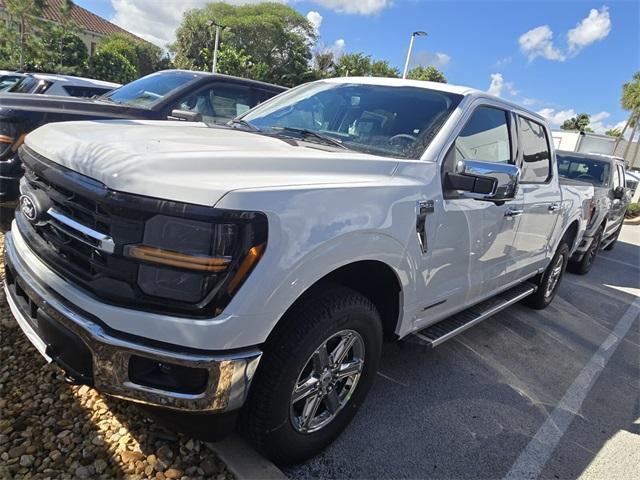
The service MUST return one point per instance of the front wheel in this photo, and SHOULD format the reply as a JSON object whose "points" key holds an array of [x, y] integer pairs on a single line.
{"points": [[315, 373], [549, 281]]}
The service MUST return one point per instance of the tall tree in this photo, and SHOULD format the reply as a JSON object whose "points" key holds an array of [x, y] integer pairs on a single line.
{"points": [[325, 63], [430, 74], [579, 122], [630, 100], [360, 65], [143, 56], [276, 37], [27, 13]]}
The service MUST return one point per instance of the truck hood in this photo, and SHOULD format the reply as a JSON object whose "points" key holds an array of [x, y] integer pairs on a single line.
{"points": [[12, 103], [194, 163]]}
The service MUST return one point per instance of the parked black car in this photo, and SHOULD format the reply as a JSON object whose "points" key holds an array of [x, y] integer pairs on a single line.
{"points": [[607, 175], [216, 98]]}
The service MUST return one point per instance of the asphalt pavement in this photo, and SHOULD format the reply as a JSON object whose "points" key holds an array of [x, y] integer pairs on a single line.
{"points": [[525, 394]]}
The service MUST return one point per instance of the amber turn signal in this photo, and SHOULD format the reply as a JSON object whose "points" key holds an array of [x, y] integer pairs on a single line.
{"points": [[245, 267], [177, 259]]}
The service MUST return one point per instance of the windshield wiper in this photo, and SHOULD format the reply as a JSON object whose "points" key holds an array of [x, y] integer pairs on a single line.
{"points": [[244, 123], [312, 133]]}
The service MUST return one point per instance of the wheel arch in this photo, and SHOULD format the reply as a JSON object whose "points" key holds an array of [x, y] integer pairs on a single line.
{"points": [[570, 235], [374, 279]]}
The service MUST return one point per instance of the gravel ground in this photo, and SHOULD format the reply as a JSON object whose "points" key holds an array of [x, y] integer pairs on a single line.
{"points": [[49, 429]]}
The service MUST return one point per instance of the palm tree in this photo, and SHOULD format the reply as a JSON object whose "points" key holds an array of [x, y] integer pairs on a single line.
{"points": [[630, 100]]}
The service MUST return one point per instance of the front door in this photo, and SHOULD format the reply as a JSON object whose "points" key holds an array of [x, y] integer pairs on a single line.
{"points": [[471, 246]]}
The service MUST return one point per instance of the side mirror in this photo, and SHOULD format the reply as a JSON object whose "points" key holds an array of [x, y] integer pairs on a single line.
{"points": [[488, 181], [185, 116], [619, 193]]}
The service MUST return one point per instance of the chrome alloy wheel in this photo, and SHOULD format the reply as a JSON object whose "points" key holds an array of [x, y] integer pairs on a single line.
{"points": [[327, 381], [554, 276]]}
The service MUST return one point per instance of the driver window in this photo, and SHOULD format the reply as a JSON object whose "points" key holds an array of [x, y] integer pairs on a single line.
{"points": [[485, 137], [218, 104]]}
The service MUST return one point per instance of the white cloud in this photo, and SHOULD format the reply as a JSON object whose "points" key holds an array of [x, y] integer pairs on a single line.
{"points": [[338, 47], [528, 102], [501, 62], [594, 27], [538, 42], [156, 21], [361, 7], [498, 85], [596, 120], [315, 19], [556, 118], [425, 58]]}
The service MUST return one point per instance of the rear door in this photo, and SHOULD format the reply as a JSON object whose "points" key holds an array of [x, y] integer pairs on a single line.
{"points": [[618, 206], [542, 196]]}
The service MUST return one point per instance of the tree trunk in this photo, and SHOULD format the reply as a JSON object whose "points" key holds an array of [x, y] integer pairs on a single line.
{"points": [[624, 130], [22, 36], [633, 133]]}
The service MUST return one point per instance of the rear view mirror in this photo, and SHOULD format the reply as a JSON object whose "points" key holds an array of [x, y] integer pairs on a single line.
{"points": [[489, 181], [185, 116]]}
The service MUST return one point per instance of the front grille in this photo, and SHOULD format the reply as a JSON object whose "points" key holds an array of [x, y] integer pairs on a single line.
{"points": [[107, 275]]}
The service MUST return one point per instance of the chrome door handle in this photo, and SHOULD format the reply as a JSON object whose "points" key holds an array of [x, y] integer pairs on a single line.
{"points": [[554, 206], [512, 212]]}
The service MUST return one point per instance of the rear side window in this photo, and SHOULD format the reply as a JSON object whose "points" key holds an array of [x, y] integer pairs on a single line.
{"points": [[85, 92], [536, 157], [31, 85], [485, 137]]}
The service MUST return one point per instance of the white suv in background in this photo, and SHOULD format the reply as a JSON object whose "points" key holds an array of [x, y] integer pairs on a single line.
{"points": [[64, 85]]}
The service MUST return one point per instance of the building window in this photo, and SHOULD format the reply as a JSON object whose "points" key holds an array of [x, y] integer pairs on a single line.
{"points": [[93, 48]]}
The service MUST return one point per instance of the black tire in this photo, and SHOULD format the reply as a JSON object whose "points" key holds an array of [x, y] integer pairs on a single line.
{"points": [[615, 238], [584, 265], [267, 419], [545, 293], [6, 216]]}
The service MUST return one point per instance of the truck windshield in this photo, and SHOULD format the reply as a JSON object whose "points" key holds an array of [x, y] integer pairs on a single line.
{"points": [[588, 170], [394, 121], [147, 91]]}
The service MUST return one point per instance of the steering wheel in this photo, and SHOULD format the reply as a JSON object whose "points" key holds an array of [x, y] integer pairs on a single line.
{"points": [[585, 177], [403, 136]]}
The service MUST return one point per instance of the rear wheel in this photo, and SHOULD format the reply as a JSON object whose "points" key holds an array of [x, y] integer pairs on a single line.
{"points": [[584, 265], [549, 281], [315, 372]]}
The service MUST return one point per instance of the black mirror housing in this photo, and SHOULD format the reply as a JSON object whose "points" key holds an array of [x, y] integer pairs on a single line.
{"points": [[185, 116]]}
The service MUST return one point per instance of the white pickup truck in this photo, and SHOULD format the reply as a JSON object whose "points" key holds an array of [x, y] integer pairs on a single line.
{"points": [[253, 270]]}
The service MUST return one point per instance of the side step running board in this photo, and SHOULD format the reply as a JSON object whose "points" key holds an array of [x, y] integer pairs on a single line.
{"points": [[450, 327]]}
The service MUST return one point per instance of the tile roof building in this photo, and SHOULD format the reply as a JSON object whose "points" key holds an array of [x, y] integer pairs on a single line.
{"points": [[92, 28]]}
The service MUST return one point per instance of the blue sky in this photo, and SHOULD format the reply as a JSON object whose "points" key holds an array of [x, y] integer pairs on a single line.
{"points": [[556, 57]]}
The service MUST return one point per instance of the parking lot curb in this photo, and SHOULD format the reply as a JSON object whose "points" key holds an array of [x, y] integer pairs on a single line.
{"points": [[632, 221], [244, 462]]}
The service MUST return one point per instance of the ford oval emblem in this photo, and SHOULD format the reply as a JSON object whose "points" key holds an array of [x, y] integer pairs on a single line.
{"points": [[29, 208]]}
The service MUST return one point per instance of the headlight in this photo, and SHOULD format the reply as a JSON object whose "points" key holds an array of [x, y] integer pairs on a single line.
{"points": [[190, 260]]}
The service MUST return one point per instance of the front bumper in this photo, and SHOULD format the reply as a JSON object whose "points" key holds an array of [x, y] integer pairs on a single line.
{"points": [[94, 354]]}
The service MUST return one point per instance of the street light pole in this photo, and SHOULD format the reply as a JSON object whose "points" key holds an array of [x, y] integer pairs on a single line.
{"points": [[215, 50], [214, 62], [406, 64]]}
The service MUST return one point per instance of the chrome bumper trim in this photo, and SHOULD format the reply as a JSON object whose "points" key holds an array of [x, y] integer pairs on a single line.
{"points": [[229, 375]]}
